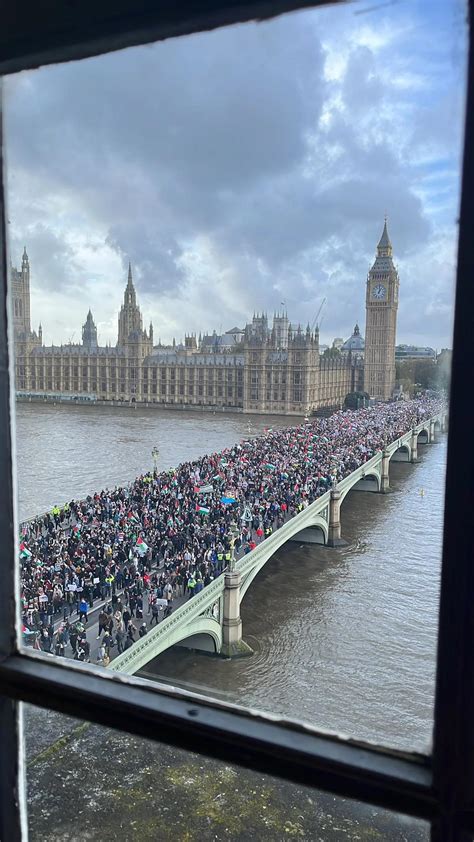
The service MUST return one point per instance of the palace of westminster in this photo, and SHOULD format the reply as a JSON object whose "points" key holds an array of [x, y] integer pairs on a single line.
{"points": [[259, 369]]}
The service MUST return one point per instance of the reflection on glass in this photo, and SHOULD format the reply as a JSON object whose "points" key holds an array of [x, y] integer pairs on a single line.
{"points": [[136, 789], [315, 178]]}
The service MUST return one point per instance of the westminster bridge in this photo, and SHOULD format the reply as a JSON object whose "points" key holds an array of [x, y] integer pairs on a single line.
{"points": [[210, 621]]}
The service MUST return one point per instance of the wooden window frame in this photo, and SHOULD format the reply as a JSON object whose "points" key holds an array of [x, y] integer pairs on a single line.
{"points": [[437, 787]]}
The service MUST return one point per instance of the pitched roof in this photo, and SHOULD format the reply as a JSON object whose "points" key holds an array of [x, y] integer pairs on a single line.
{"points": [[384, 241]]}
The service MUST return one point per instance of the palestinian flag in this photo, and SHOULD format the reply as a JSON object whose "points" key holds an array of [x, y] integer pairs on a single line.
{"points": [[202, 510], [24, 551], [141, 547]]}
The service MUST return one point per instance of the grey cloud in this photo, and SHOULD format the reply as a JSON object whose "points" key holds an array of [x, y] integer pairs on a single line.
{"points": [[222, 109], [362, 88], [218, 117], [155, 257], [55, 262], [217, 135]]}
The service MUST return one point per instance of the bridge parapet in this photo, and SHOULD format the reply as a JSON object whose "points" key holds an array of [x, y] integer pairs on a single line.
{"points": [[169, 631], [301, 521], [369, 468]]}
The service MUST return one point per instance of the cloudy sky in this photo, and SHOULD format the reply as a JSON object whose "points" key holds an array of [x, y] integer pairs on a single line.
{"points": [[243, 168]]}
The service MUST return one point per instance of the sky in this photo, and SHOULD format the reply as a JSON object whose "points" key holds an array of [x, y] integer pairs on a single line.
{"points": [[243, 169]]}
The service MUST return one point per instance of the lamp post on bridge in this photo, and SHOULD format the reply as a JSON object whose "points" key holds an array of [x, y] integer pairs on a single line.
{"points": [[232, 643], [246, 520], [155, 454], [233, 533]]}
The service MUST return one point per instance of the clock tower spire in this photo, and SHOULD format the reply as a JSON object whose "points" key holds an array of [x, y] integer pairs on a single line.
{"points": [[381, 322]]}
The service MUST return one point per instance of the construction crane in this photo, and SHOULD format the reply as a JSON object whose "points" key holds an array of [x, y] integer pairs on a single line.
{"points": [[317, 321]]}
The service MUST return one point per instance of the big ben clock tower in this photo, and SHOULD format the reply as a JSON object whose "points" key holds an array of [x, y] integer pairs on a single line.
{"points": [[381, 305]]}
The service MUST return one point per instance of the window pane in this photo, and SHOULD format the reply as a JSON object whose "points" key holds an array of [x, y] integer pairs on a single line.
{"points": [[344, 638], [313, 613], [137, 789], [191, 184]]}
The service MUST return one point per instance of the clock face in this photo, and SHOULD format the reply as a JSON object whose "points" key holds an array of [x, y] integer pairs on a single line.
{"points": [[379, 292]]}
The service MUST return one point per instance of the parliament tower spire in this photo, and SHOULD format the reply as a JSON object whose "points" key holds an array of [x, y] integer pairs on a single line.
{"points": [[130, 325]]}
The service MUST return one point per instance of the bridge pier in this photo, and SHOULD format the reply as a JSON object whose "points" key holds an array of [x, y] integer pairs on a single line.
{"points": [[414, 446], [232, 644], [334, 529], [384, 479], [432, 432]]}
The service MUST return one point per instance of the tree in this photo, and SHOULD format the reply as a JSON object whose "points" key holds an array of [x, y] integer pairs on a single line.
{"points": [[331, 354], [356, 400], [417, 373], [407, 386], [444, 368]]}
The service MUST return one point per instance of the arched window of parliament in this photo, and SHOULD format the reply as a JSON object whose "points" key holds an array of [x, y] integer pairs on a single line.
{"points": [[435, 787]]}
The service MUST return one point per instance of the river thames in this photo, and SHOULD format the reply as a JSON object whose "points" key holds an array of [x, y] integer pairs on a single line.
{"points": [[344, 639]]}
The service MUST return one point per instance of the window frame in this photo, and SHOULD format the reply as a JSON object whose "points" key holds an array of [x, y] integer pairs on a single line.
{"points": [[439, 787]]}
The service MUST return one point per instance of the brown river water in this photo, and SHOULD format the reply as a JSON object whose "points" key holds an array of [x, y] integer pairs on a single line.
{"points": [[346, 638]]}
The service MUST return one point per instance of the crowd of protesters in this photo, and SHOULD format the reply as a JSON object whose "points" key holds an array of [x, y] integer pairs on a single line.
{"points": [[134, 549]]}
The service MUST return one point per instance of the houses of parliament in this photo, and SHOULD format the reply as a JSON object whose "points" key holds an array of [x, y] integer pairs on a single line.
{"points": [[272, 368]]}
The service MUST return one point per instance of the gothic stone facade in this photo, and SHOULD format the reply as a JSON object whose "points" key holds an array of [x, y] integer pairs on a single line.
{"points": [[275, 370]]}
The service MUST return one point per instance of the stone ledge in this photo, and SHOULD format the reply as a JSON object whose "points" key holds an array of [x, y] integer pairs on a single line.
{"points": [[239, 649]]}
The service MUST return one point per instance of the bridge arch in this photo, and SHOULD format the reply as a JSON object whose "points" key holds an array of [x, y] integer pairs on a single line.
{"points": [[402, 453], [424, 436], [317, 527], [203, 633], [369, 481], [315, 532], [437, 425]]}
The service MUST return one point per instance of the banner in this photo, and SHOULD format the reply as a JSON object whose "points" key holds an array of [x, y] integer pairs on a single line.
{"points": [[205, 489]]}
